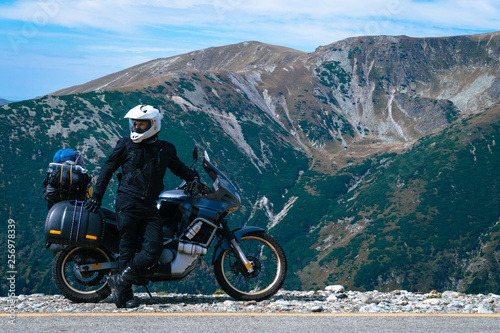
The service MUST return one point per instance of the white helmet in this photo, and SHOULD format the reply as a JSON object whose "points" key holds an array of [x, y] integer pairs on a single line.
{"points": [[144, 112]]}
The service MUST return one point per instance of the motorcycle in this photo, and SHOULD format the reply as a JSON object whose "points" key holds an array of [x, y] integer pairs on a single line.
{"points": [[248, 263]]}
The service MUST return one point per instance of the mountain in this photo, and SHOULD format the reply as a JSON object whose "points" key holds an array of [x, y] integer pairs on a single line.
{"points": [[4, 101], [373, 160]]}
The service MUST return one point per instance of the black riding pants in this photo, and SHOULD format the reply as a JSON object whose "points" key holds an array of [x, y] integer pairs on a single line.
{"points": [[141, 236]]}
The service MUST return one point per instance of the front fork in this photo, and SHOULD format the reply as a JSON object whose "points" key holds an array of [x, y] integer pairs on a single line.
{"points": [[235, 247]]}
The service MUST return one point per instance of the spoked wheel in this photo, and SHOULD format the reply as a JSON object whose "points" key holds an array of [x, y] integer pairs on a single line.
{"points": [[75, 284], [269, 268]]}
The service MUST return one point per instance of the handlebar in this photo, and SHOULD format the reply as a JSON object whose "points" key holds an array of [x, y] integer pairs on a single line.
{"points": [[195, 189]]}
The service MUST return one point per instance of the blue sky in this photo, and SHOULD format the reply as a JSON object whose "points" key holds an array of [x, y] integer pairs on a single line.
{"points": [[47, 45]]}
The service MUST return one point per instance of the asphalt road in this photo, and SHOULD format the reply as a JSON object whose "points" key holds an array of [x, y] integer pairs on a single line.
{"points": [[253, 322]]}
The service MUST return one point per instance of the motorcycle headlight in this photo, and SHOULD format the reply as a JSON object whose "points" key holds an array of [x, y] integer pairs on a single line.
{"points": [[216, 184]]}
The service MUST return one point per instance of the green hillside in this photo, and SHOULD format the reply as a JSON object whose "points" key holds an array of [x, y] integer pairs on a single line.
{"points": [[93, 123], [425, 219]]}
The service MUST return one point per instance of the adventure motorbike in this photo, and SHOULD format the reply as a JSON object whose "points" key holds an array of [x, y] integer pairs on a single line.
{"points": [[248, 263]]}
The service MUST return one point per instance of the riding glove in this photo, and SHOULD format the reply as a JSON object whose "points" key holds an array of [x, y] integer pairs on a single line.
{"points": [[195, 186], [93, 204]]}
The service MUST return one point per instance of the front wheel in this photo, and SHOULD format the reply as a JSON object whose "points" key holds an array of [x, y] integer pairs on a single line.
{"points": [[75, 284], [269, 264]]}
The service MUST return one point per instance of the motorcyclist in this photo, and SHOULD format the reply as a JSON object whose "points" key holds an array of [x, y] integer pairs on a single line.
{"points": [[144, 160]]}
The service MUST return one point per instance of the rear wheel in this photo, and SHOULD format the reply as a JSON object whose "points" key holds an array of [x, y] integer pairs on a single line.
{"points": [[269, 264], [75, 284]]}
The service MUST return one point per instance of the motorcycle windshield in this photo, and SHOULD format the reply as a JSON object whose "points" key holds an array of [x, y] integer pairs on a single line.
{"points": [[224, 190]]}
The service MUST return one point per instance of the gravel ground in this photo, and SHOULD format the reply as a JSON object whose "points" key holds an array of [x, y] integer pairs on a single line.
{"points": [[334, 299]]}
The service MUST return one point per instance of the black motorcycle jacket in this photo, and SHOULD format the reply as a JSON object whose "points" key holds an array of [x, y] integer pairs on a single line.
{"points": [[143, 168]]}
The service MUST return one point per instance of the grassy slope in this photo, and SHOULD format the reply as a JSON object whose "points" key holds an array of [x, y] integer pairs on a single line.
{"points": [[425, 219]]}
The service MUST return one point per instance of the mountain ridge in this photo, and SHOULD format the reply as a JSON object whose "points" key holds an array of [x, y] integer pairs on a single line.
{"points": [[205, 59], [395, 105], [4, 101]]}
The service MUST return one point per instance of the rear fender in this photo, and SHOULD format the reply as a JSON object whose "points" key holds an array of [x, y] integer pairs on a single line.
{"points": [[238, 234]]}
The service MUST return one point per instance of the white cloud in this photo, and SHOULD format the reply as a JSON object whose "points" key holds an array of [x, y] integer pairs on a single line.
{"points": [[136, 50], [114, 15], [454, 15], [296, 20]]}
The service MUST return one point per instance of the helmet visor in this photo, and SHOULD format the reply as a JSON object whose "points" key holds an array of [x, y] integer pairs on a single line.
{"points": [[140, 125]]}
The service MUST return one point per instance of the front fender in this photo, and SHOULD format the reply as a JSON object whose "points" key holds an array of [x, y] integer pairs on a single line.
{"points": [[238, 234]]}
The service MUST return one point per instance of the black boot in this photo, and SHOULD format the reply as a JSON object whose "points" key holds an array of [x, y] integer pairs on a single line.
{"points": [[121, 286], [130, 301]]}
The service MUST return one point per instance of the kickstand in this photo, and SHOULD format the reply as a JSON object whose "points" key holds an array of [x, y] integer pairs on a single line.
{"points": [[147, 289]]}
